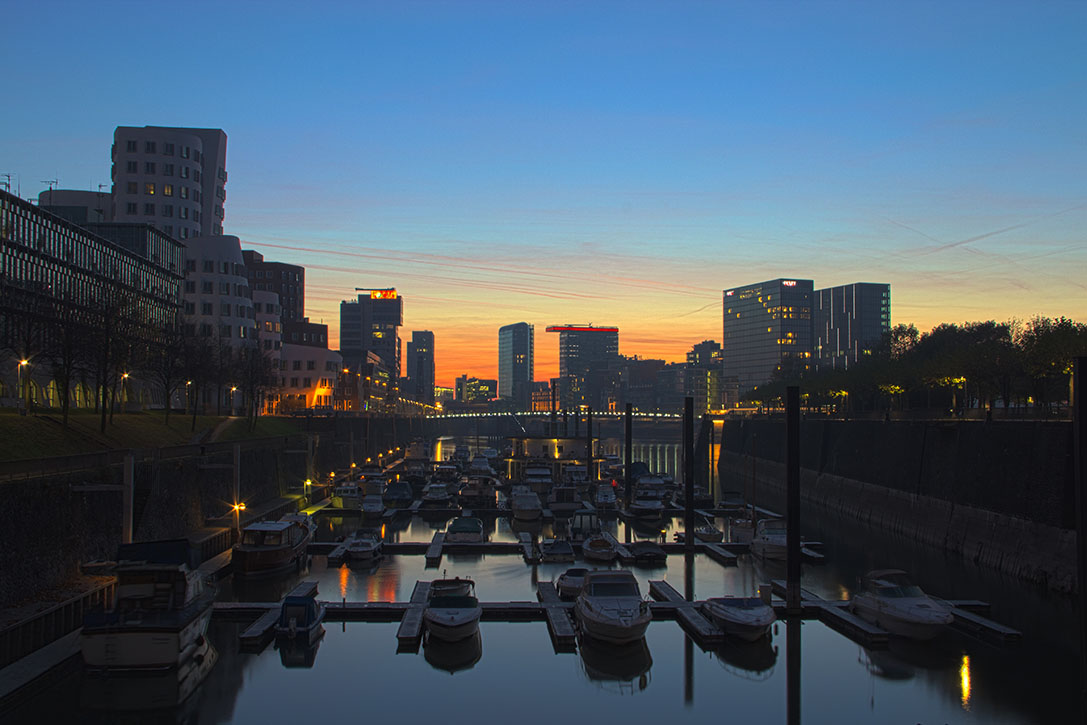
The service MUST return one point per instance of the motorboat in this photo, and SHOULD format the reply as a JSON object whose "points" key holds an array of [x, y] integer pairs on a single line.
{"points": [[347, 496], [649, 498], [647, 553], [480, 466], [452, 587], [365, 545], [704, 531], [452, 617], [610, 607], [769, 539], [398, 494], [491, 454], [464, 529], [159, 614], [889, 599], [525, 505], [604, 497], [479, 492], [300, 619], [446, 473], [461, 455], [745, 617], [597, 547], [538, 478], [556, 551], [576, 475], [569, 582], [564, 500], [268, 547], [373, 507], [453, 657], [436, 495]]}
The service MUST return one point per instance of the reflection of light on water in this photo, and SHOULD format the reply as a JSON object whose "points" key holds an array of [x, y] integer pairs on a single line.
{"points": [[345, 574], [964, 675]]}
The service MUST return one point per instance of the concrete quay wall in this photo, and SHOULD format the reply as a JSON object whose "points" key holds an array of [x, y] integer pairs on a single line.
{"points": [[998, 495]]}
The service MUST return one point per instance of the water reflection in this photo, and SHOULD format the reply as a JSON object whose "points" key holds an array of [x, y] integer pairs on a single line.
{"points": [[749, 660], [617, 668], [453, 656], [165, 692], [294, 653]]}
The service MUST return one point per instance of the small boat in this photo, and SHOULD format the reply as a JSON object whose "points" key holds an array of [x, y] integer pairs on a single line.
{"points": [[647, 553], [570, 581], [610, 607], [597, 547], [436, 495], [890, 600], [347, 496], [452, 617], [745, 617], [556, 551], [704, 531], [365, 545], [525, 505], [479, 492], [456, 587], [300, 619], [159, 613], [604, 497], [649, 496], [538, 478], [373, 507], [564, 500], [576, 475], [268, 547], [480, 466], [769, 539], [398, 494], [464, 529]]}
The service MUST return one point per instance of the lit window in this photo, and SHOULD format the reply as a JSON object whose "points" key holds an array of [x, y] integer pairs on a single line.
{"points": [[167, 189], [149, 189]]}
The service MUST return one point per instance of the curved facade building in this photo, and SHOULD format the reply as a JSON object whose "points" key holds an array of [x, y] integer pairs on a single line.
{"points": [[216, 295]]}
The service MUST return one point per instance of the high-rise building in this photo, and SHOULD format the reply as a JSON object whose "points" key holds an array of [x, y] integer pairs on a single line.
{"points": [[588, 359], [372, 324], [515, 363], [850, 321], [767, 330], [174, 178], [286, 280], [475, 390], [703, 379], [420, 366]]}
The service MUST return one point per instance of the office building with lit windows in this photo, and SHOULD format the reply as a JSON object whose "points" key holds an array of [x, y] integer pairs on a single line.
{"points": [[371, 324], [420, 366], [850, 321], [173, 178], [515, 363], [767, 331], [588, 363]]}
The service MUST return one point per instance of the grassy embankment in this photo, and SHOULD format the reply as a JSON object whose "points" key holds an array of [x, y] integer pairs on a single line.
{"points": [[42, 435]]}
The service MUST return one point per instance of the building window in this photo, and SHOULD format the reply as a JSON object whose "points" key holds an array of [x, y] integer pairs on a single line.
{"points": [[294, 382], [184, 172], [190, 308], [206, 308], [130, 146], [167, 209], [225, 331], [196, 215], [185, 152], [149, 147], [190, 287], [224, 309], [132, 187], [306, 382], [209, 266], [168, 149], [183, 192], [132, 167], [149, 209], [183, 212], [224, 288], [224, 267], [207, 287], [167, 169], [311, 365], [184, 232], [196, 175], [149, 167], [170, 229], [168, 189], [131, 208], [296, 364], [149, 189]]}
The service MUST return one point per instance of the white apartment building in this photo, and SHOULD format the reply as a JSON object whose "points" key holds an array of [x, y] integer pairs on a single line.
{"points": [[216, 299]]}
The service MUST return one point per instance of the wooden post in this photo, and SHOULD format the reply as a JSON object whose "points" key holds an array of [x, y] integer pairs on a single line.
{"points": [[628, 457], [792, 498], [688, 473], [127, 491], [1079, 486]]}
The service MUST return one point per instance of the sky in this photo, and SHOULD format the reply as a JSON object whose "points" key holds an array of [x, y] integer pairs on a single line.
{"points": [[614, 163]]}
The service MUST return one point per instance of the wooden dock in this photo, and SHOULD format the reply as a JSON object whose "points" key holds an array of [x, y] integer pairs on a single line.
{"points": [[720, 554], [529, 550], [434, 551], [704, 632], [557, 612], [622, 552], [410, 633]]}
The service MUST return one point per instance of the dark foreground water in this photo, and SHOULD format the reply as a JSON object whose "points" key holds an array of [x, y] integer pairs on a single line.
{"points": [[511, 674]]}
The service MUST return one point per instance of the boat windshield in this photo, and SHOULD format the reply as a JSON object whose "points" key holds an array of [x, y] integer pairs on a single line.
{"points": [[453, 601], [615, 589], [907, 590]]}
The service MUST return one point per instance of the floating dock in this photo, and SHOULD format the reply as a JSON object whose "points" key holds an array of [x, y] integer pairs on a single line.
{"points": [[704, 632]]}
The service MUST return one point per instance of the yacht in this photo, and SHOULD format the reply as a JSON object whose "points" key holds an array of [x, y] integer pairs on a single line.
{"points": [[365, 545], [648, 553], [268, 547], [576, 475], [556, 551], [538, 478], [570, 581], [564, 500], [604, 497], [465, 529], [769, 539], [745, 617], [159, 613], [610, 607], [525, 505], [649, 498], [347, 496], [480, 466], [373, 506], [436, 495], [304, 519], [449, 615], [890, 600], [398, 494], [479, 492], [598, 547]]}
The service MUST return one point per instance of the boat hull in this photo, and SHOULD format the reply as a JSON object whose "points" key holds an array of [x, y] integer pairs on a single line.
{"points": [[745, 625], [898, 623], [452, 625], [619, 630], [262, 561]]}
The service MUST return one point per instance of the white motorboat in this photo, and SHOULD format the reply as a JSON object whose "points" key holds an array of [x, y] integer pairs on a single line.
{"points": [[564, 500], [745, 617], [525, 505], [769, 539], [890, 600], [398, 494], [364, 545], [604, 497], [610, 607], [159, 614], [347, 496], [597, 547], [373, 506], [649, 498], [436, 495], [452, 617], [570, 581]]}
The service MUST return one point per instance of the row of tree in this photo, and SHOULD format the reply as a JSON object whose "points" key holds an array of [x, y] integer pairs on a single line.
{"points": [[104, 345], [952, 367]]}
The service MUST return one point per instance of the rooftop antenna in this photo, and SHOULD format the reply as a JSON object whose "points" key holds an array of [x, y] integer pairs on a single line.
{"points": [[101, 210], [6, 182], [52, 183]]}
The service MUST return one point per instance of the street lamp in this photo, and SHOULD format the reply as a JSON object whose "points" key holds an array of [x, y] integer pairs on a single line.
{"points": [[233, 389], [19, 375]]}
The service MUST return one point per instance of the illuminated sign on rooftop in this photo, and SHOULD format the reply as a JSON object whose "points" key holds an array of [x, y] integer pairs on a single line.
{"points": [[383, 294], [581, 328], [788, 282]]}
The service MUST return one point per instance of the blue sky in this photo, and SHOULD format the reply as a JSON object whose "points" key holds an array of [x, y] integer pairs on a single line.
{"points": [[619, 163]]}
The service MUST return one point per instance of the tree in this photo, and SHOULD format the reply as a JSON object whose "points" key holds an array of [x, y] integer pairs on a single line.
{"points": [[166, 361]]}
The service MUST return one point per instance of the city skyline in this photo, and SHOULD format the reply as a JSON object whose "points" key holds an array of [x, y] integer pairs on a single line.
{"points": [[618, 164]]}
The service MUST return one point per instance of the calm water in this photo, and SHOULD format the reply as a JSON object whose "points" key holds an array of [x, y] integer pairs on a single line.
{"points": [[511, 672]]}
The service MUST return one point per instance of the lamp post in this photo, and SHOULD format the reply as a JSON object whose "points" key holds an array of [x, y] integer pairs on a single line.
{"points": [[124, 389], [233, 389], [19, 386]]}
